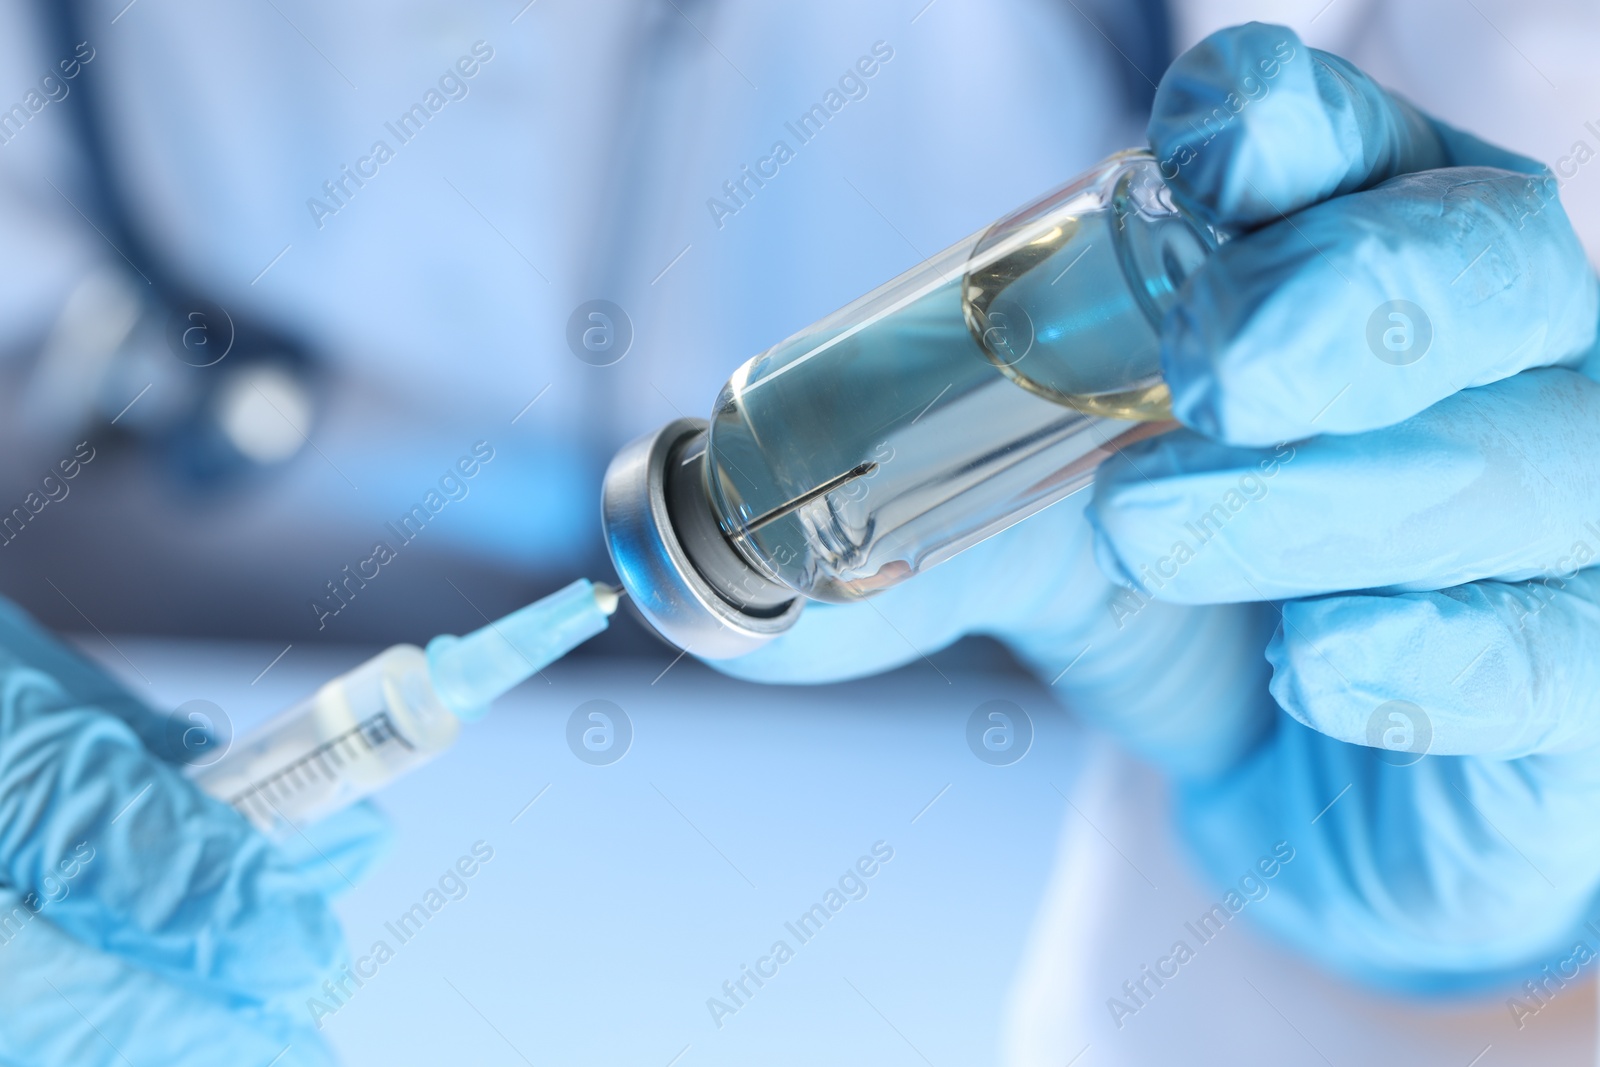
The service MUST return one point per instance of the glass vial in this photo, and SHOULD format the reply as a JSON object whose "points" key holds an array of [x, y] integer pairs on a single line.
{"points": [[958, 399]]}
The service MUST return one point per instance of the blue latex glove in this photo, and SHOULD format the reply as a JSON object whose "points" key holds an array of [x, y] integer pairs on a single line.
{"points": [[1396, 551], [140, 920]]}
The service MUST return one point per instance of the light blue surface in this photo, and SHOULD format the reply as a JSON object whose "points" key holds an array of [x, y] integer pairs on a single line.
{"points": [[1472, 459], [469, 672], [604, 919], [627, 894], [620, 897]]}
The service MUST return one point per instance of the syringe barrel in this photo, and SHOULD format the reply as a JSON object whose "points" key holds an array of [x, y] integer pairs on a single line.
{"points": [[354, 735], [974, 390]]}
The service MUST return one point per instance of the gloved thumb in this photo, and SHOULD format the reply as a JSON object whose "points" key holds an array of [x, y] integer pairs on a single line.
{"points": [[1490, 668]]}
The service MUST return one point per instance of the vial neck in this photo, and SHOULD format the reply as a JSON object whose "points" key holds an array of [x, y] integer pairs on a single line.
{"points": [[735, 577]]}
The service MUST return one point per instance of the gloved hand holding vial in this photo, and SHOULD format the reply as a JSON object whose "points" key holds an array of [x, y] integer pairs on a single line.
{"points": [[1350, 604], [974, 390]]}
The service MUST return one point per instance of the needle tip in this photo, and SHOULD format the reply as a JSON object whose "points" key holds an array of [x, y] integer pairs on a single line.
{"points": [[606, 597]]}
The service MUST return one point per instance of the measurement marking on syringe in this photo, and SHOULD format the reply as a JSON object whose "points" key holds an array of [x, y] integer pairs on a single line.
{"points": [[327, 757]]}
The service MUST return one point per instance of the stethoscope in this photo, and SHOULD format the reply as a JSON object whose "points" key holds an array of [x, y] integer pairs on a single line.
{"points": [[225, 396]]}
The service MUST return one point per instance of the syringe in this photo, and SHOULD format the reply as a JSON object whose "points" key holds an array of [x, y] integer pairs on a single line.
{"points": [[395, 712]]}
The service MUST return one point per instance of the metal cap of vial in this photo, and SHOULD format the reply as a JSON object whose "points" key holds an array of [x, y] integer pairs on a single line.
{"points": [[680, 571]]}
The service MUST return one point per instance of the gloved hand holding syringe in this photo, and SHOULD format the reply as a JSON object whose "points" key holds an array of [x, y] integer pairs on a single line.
{"points": [[396, 711]]}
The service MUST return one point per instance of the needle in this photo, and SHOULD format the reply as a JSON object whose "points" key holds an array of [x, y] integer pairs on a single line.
{"points": [[859, 471]]}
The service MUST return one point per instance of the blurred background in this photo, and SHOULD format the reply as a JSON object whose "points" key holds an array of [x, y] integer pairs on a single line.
{"points": [[212, 176]]}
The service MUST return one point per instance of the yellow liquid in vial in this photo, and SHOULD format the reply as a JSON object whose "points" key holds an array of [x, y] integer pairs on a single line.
{"points": [[1074, 315], [865, 450]]}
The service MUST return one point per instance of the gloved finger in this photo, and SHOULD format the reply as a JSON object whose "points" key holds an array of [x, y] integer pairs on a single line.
{"points": [[1320, 323], [1491, 668], [969, 593], [838, 642], [69, 1004], [1364, 310], [1197, 714], [1036, 588], [1445, 874], [1497, 482], [335, 854], [158, 872], [1251, 125]]}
